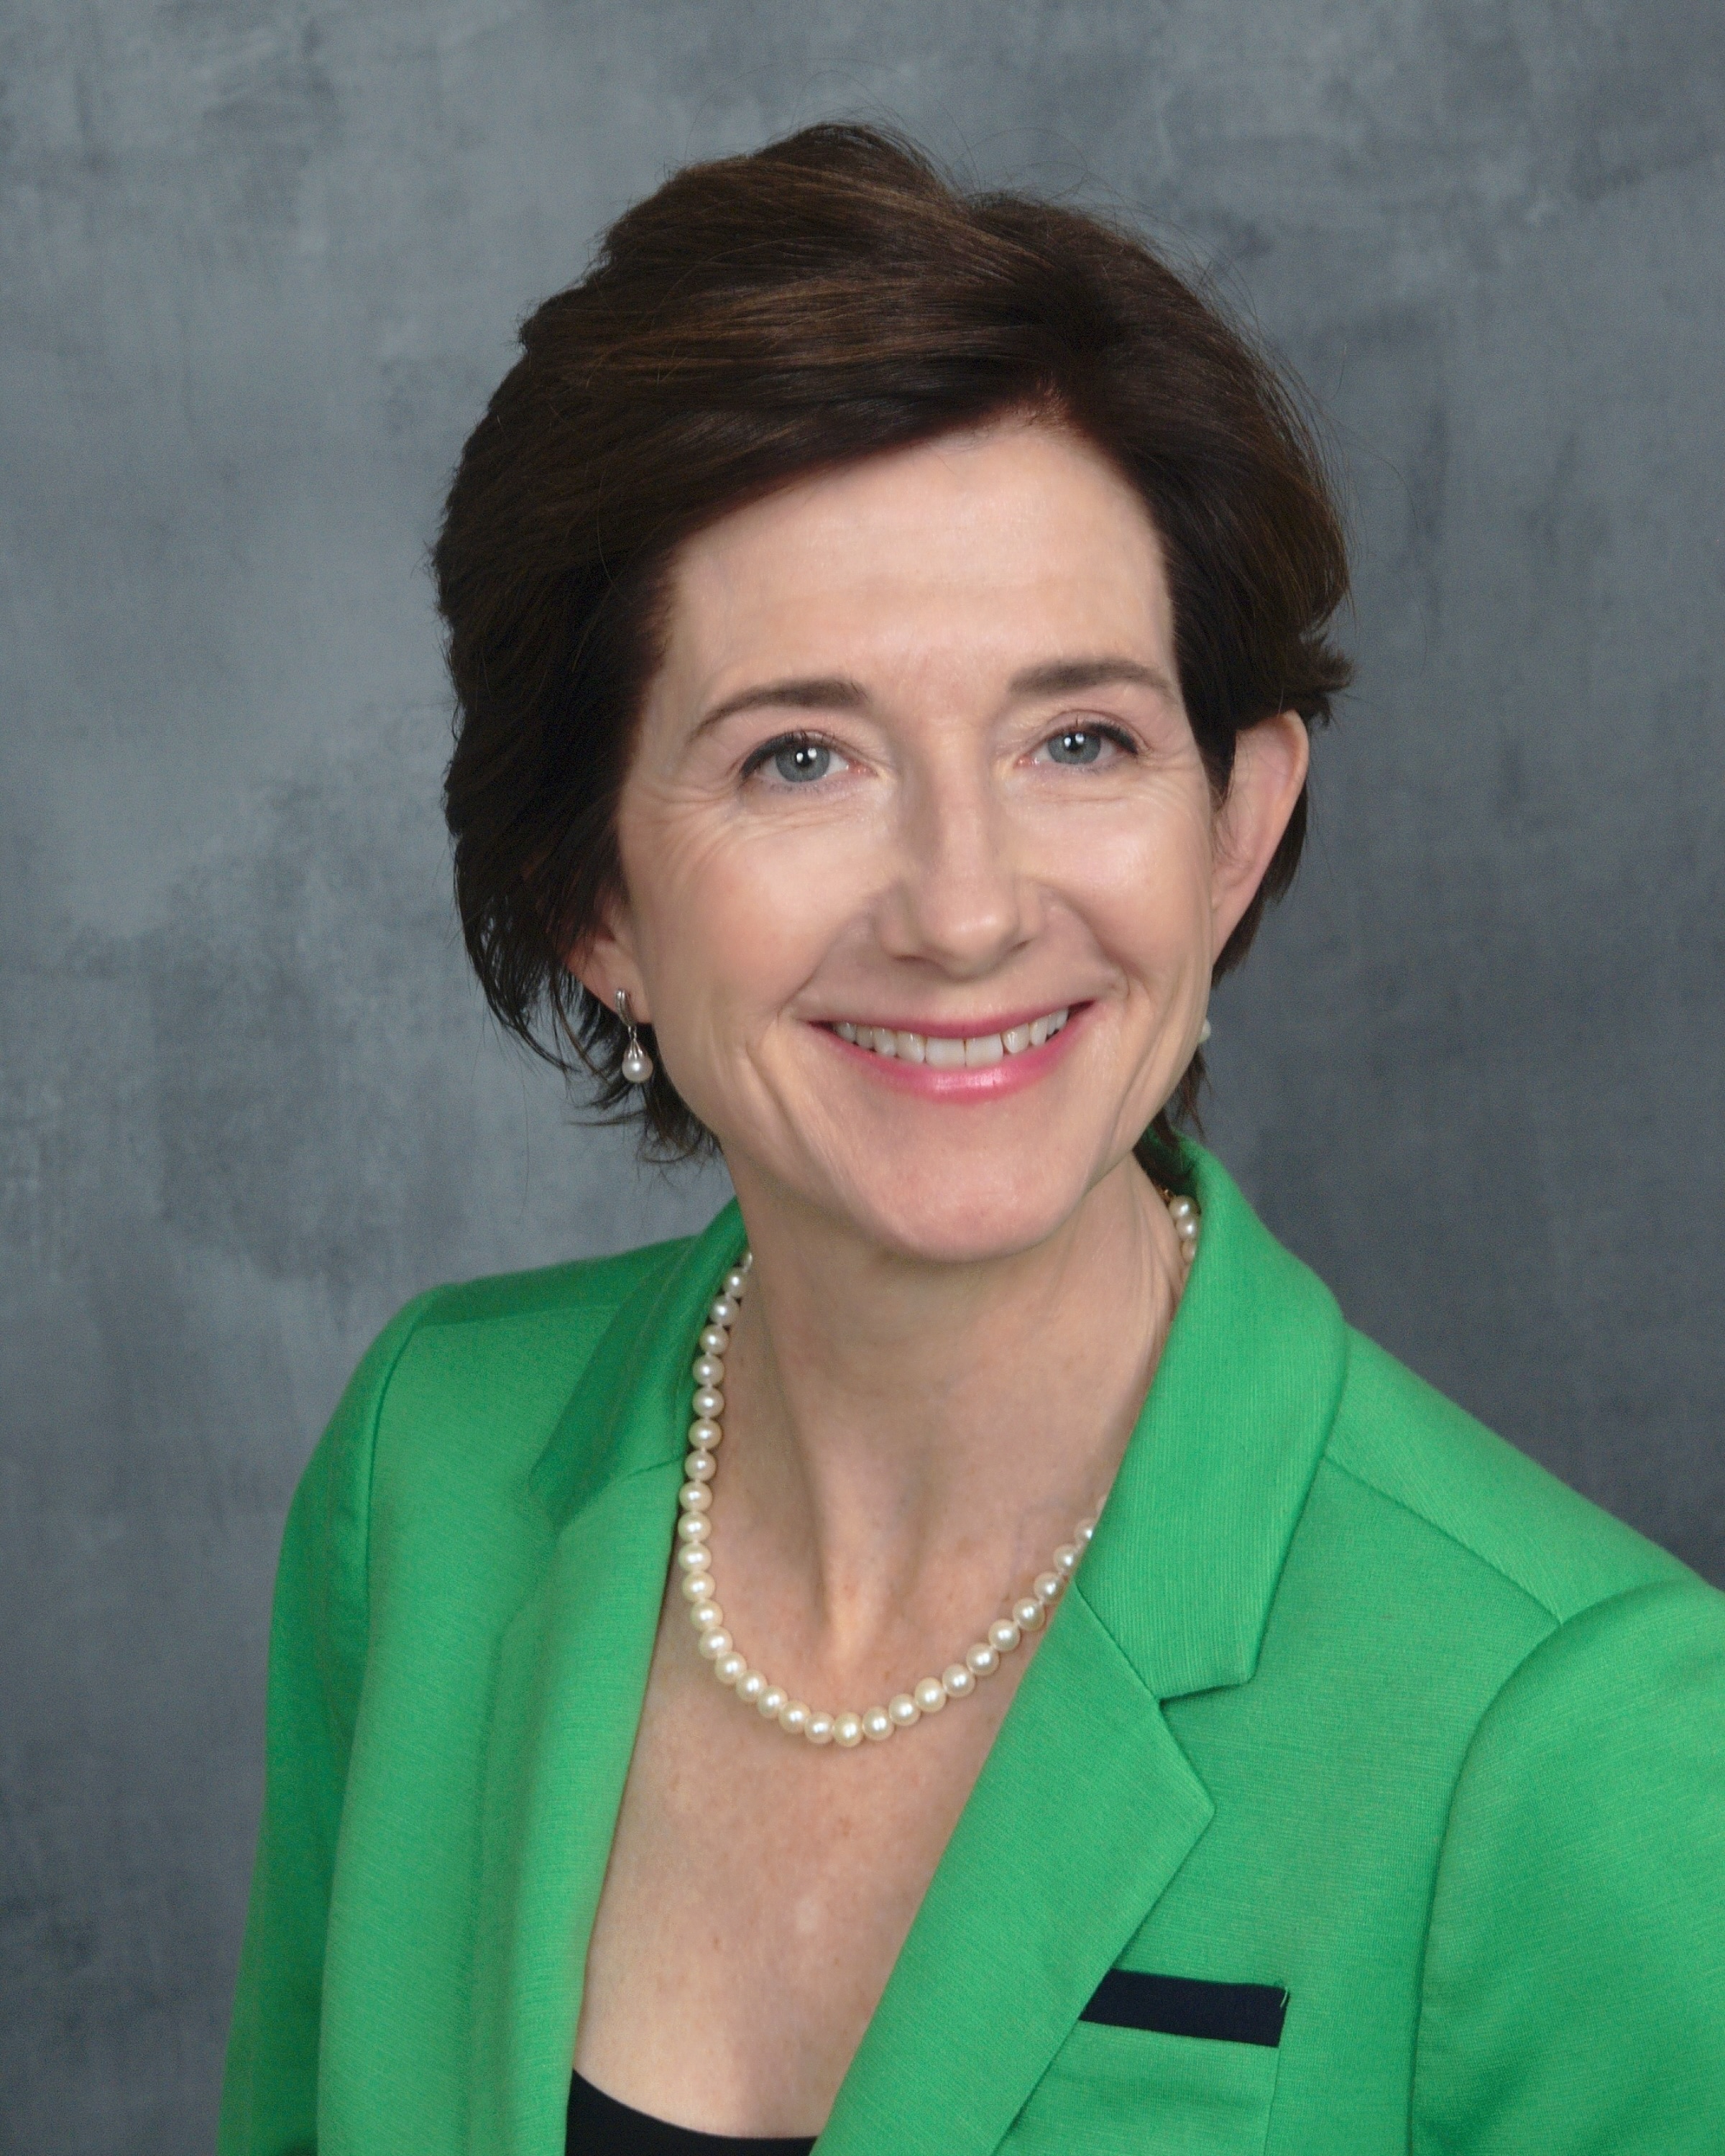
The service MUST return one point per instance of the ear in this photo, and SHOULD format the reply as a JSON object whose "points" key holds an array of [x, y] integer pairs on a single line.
{"points": [[608, 961], [1270, 761]]}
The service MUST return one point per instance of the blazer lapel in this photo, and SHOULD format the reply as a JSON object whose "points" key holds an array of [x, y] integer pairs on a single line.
{"points": [[1086, 1806], [1084, 1811], [572, 1674]]}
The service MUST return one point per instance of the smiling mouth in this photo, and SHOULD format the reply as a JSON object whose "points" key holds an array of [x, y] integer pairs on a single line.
{"points": [[953, 1052]]}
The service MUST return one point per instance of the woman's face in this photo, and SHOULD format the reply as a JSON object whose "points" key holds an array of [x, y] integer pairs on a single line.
{"points": [[914, 788]]}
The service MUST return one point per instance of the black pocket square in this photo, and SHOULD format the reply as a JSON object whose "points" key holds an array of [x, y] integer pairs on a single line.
{"points": [[1188, 2007]]}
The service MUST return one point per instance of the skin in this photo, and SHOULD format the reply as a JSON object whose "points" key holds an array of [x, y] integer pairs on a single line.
{"points": [[960, 1294]]}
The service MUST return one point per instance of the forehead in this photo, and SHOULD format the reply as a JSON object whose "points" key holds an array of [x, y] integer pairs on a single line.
{"points": [[982, 550]]}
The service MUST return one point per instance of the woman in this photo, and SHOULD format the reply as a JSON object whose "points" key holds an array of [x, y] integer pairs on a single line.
{"points": [[886, 627]]}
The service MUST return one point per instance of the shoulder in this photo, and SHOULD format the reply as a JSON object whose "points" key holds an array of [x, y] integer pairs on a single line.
{"points": [[475, 1369], [1603, 1615], [484, 1368], [1469, 1581], [550, 1318], [1508, 1520], [583, 1288], [1414, 1509]]}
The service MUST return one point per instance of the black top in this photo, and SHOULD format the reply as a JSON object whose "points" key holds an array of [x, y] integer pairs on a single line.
{"points": [[600, 2126]]}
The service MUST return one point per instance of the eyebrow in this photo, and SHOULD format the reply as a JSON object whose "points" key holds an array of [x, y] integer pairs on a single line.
{"points": [[1071, 677], [838, 692], [818, 692]]}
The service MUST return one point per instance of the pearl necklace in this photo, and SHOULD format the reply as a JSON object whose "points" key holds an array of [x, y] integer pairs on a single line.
{"points": [[694, 1558]]}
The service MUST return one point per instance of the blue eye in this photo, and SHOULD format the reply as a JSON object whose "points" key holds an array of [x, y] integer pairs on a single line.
{"points": [[1078, 746], [799, 763]]}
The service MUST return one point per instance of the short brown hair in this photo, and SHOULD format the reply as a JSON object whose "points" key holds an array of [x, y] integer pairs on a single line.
{"points": [[823, 300]]}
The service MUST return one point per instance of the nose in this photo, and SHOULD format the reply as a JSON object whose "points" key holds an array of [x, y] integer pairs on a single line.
{"points": [[959, 899]]}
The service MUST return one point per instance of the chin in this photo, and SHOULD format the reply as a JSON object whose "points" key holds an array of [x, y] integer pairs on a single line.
{"points": [[944, 1218]]}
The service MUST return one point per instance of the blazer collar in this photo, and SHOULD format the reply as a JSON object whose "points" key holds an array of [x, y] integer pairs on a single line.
{"points": [[1190, 1545], [629, 1411]]}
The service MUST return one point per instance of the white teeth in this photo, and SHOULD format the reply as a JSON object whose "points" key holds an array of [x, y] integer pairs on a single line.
{"points": [[942, 1051]]}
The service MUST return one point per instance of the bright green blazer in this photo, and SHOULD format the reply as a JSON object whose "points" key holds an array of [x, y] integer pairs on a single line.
{"points": [[1349, 1699]]}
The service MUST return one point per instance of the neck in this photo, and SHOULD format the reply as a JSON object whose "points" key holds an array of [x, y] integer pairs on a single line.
{"points": [[906, 1438]]}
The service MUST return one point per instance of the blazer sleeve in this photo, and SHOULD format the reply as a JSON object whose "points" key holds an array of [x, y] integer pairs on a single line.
{"points": [[318, 1657], [1573, 2000]]}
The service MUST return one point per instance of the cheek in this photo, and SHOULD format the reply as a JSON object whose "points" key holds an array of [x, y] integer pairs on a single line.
{"points": [[1143, 884], [734, 920]]}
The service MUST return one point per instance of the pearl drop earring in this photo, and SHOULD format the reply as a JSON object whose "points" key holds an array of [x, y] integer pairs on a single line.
{"points": [[637, 1063], [1204, 1033]]}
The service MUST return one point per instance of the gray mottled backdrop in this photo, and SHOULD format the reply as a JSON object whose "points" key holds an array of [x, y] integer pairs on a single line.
{"points": [[260, 262]]}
